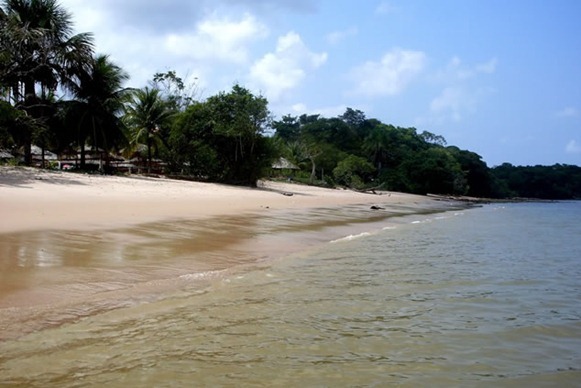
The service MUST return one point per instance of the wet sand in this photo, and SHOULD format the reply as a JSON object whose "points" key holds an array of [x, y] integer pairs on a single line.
{"points": [[74, 245]]}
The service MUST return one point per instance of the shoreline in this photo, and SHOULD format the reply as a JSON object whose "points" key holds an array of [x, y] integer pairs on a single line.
{"points": [[90, 259], [33, 199]]}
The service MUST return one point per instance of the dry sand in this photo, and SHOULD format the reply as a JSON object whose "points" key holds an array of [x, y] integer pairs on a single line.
{"points": [[32, 199]]}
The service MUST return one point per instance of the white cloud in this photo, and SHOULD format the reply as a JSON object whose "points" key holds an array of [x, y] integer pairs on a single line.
{"points": [[286, 67], [456, 71], [568, 112], [451, 102], [573, 147], [328, 111], [160, 17], [86, 17], [384, 8], [217, 38], [299, 108], [462, 91], [456, 102], [487, 67], [390, 75], [204, 41], [337, 36]]}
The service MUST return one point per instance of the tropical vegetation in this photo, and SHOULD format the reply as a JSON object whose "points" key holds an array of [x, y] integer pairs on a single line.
{"points": [[58, 94]]}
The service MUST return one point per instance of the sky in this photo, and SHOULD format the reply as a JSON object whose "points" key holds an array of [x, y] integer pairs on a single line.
{"points": [[498, 78]]}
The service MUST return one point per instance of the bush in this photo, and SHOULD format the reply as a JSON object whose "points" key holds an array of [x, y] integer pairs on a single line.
{"points": [[351, 171]]}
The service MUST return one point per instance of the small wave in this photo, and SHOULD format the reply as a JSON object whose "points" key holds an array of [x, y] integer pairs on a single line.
{"points": [[200, 275], [351, 237], [389, 228]]}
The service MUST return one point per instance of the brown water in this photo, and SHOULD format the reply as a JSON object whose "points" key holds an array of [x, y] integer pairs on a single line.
{"points": [[434, 300]]}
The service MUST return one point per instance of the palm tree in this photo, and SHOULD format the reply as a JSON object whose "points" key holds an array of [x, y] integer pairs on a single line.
{"points": [[376, 144], [39, 53], [146, 115], [98, 103]]}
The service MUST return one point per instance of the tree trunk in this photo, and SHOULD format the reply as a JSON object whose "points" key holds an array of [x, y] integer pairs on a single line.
{"points": [[28, 151], [29, 101], [83, 156], [149, 156], [313, 171]]}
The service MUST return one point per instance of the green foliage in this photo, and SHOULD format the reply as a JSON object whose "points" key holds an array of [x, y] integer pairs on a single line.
{"points": [[7, 118], [240, 119], [376, 144], [147, 116], [434, 170], [431, 138], [93, 116], [361, 152], [222, 139], [559, 181], [352, 171], [38, 54], [476, 172], [177, 94], [287, 129], [194, 149], [404, 160]]}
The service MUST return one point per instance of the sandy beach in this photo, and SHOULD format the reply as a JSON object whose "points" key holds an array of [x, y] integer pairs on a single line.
{"points": [[75, 245], [32, 199]]}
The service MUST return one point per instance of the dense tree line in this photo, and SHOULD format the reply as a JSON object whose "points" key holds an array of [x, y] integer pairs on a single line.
{"points": [[357, 152], [55, 92], [545, 182], [351, 150]]}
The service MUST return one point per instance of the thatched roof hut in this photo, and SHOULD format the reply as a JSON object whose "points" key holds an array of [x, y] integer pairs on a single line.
{"points": [[37, 153], [5, 155], [284, 164]]}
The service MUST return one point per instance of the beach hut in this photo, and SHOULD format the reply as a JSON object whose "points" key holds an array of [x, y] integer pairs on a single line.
{"points": [[41, 156], [5, 155], [283, 167], [96, 159]]}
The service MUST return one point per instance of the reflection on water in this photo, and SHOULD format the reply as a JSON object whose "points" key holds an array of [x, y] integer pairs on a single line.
{"points": [[47, 272], [428, 300]]}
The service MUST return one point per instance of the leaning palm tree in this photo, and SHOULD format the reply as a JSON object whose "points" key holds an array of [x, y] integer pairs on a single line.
{"points": [[146, 115], [39, 53], [96, 110]]}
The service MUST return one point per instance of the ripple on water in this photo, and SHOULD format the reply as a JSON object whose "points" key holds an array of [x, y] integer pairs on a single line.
{"points": [[436, 304]]}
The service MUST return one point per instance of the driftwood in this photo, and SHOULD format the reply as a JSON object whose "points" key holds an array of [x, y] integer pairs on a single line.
{"points": [[478, 200], [370, 190]]}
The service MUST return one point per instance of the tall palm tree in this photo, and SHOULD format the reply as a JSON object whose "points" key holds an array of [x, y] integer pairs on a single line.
{"points": [[96, 110], [147, 114], [39, 53]]}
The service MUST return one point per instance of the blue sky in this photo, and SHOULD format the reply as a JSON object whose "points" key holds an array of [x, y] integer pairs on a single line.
{"points": [[499, 78]]}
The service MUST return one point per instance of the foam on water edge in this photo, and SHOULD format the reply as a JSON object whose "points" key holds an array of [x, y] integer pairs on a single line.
{"points": [[351, 237]]}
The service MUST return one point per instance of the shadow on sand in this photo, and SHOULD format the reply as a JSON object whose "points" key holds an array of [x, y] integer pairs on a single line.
{"points": [[24, 176]]}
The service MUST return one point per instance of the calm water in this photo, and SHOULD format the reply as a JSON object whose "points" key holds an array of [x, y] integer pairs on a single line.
{"points": [[479, 297]]}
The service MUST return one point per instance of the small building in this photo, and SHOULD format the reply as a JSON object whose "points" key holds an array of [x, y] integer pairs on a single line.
{"points": [[41, 157], [283, 167], [5, 155]]}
